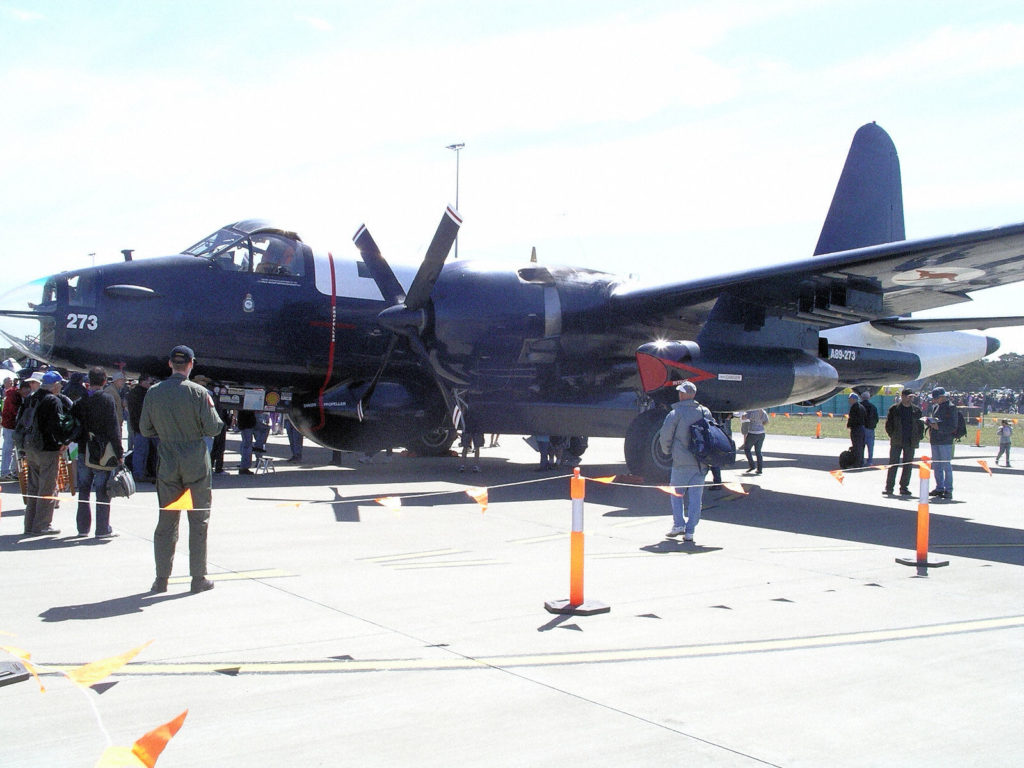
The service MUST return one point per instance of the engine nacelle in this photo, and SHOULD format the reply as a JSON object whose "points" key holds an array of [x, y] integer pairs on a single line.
{"points": [[733, 378], [398, 414]]}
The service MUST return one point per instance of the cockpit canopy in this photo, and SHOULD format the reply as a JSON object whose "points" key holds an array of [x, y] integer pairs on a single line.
{"points": [[254, 246]]}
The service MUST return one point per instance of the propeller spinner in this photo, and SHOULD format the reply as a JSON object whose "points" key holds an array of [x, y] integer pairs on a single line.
{"points": [[406, 317]]}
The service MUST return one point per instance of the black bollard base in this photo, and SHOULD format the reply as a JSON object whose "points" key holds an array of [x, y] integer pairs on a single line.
{"points": [[586, 608], [921, 565]]}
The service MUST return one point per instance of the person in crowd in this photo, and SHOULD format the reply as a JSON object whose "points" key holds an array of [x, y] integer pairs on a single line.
{"points": [[294, 441], [1005, 433], [941, 422], [142, 446], [99, 444], [905, 428], [13, 398], [870, 422], [753, 425], [181, 413], [855, 423], [42, 453], [687, 474]]}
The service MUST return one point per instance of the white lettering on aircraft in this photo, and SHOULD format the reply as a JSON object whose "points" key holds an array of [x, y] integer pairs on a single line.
{"points": [[82, 322]]}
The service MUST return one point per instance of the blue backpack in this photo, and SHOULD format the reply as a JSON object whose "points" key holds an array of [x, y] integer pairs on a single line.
{"points": [[710, 444]]}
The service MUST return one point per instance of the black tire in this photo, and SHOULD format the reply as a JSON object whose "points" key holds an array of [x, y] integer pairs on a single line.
{"points": [[644, 456], [436, 442]]}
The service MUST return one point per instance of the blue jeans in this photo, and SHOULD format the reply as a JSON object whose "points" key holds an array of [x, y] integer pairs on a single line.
{"points": [[691, 498], [942, 464], [869, 444], [90, 480], [141, 446], [246, 448]]}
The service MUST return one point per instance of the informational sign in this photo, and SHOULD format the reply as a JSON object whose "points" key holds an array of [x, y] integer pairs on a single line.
{"points": [[254, 399]]}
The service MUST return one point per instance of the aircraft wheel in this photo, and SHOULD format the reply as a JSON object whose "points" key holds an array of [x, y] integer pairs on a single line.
{"points": [[644, 456], [436, 442]]}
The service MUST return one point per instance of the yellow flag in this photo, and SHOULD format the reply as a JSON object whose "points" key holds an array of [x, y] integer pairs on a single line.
{"points": [[183, 502], [92, 673], [838, 475], [605, 480], [669, 489], [391, 502], [479, 495]]}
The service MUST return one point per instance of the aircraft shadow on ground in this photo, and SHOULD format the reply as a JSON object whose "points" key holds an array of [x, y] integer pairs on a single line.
{"points": [[833, 518]]}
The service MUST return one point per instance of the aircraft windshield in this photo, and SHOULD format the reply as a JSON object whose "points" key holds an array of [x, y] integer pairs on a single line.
{"points": [[262, 252], [215, 243]]}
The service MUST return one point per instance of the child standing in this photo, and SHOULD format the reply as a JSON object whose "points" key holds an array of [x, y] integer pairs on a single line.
{"points": [[1004, 432]]}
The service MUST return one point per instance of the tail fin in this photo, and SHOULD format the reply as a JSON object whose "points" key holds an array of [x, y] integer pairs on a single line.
{"points": [[867, 208]]}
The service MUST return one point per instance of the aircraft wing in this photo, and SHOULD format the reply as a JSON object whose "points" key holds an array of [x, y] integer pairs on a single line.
{"points": [[880, 281]]}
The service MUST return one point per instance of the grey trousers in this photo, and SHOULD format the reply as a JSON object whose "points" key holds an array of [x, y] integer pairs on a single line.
{"points": [[42, 481], [165, 538]]}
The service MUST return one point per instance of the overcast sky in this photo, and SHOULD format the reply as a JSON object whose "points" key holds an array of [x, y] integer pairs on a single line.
{"points": [[664, 139]]}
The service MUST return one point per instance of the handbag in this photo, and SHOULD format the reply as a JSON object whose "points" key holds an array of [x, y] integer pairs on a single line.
{"points": [[120, 484]]}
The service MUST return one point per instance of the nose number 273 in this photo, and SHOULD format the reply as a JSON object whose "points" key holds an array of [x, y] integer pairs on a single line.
{"points": [[82, 322]]}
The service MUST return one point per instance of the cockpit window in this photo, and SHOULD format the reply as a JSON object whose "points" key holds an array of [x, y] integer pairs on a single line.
{"points": [[262, 252]]}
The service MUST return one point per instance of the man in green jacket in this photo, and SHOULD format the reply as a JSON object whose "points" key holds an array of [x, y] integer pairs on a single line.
{"points": [[181, 413]]}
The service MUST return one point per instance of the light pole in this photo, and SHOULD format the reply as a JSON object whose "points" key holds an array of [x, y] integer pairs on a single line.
{"points": [[456, 148]]}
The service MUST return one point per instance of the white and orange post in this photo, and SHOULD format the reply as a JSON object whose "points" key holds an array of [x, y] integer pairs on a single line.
{"points": [[576, 604], [924, 471]]}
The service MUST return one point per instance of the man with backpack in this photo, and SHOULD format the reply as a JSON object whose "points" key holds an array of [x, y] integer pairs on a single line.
{"points": [[43, 431], [687, 472], [942, 430]]}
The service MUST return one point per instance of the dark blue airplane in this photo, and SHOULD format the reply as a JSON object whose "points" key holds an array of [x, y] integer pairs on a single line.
{"points": [[365, 359]]}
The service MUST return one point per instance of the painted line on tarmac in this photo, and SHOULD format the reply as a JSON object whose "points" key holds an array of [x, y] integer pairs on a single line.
{"points": [[410, 556], [444, 564], [266, 573], [461, 662]]}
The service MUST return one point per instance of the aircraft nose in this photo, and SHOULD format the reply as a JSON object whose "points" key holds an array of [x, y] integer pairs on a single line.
{"points": [[27, 319], [991, 345]]}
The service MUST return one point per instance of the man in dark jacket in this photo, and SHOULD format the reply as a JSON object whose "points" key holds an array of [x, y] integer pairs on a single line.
{"points": [[42, 452], [96, 413], [142, 446], [941, 426], [905, 429], [855, 423]]}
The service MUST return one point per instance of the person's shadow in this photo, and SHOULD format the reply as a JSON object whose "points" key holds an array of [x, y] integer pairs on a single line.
{"points": [[105, 609]]}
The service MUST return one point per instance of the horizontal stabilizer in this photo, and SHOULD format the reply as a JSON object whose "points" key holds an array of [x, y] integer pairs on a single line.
{"points": [[899, 326]]}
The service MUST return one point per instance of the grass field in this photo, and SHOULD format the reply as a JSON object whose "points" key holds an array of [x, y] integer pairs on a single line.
{"points": [[806, 424]]}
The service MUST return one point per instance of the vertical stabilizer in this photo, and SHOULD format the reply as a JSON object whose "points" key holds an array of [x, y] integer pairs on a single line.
{"points": [[867, 208]]}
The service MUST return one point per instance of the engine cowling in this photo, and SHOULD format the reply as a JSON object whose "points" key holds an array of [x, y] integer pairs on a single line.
{"points": [[408, 413], [733, 378]]}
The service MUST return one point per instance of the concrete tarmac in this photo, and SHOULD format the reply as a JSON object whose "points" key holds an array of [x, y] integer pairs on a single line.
{"points": [[343, 632]]}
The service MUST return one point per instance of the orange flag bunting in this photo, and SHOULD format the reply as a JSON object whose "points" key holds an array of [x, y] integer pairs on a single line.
{"points": [[391, 502], [669, 489], [182, 502], [605, 480], [735, 488], [984, 465], [24, 655], [145, 751], [838, 475], [92, 673], [479, 495]]}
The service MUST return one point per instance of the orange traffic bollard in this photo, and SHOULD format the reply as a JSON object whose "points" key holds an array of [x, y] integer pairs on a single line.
{"points": [[921, 563], [576, 604]]}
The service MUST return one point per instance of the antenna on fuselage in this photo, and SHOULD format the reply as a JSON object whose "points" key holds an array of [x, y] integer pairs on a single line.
{"points": [[127, 253]]}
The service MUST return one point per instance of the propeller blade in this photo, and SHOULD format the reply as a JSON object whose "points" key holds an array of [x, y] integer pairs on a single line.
{"points": [[380, 271], [365, 397], [421, 351], [433, 261]]}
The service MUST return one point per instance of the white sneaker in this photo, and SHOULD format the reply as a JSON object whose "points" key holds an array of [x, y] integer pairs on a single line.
{"points": [[688, 537], [676, 532]]}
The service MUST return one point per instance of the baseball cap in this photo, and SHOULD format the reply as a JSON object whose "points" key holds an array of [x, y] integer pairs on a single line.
{"points": [[52, 377], [854, 396], [687, 386], [907, 392], [182, 354], [938, 392]]}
